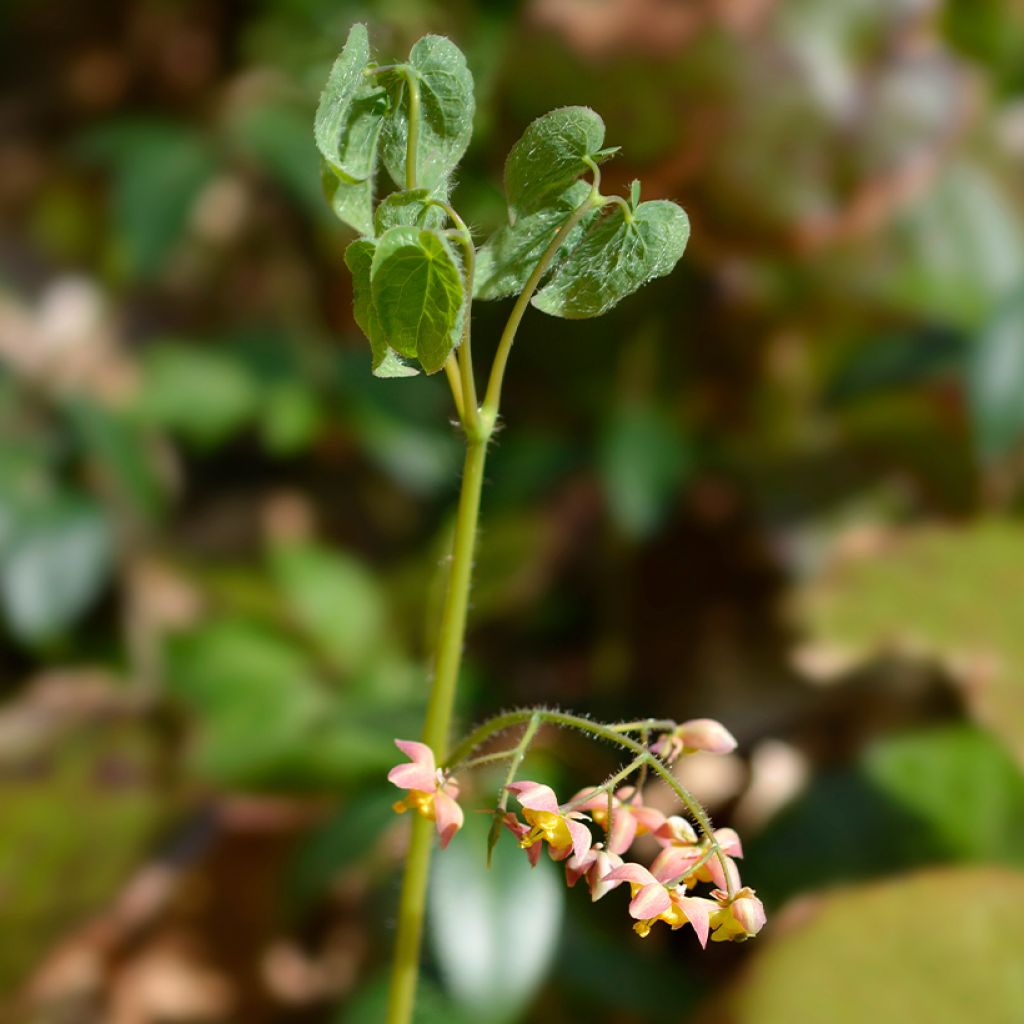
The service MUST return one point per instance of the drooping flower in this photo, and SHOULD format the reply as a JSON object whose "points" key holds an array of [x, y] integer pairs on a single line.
{"points": [[698, 734], [629, 817], [563, 831], [738, 919], [676, 834], [594, 865], [431, 793], [656, 896]]}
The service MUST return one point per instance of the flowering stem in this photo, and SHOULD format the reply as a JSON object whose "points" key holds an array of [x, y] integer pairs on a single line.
{"points": [[511, 718]]}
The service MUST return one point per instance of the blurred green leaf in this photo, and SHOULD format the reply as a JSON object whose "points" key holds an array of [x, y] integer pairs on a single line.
{"points": [[995, 379], [615, 258], [291, 417], [948, 795], [158, 171], [197, 391], [335, 600], [447, 105], [55, 557], [370, 1005], [418, 293], [941, 946], [549, 157], [643, 460], [509, 256], [494, 932]]}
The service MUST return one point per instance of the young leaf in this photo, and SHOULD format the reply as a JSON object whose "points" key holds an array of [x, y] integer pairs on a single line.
{"points": [[408, 208], [359, 259], [615, 258], [446, 120], [343, 83], [550, 156], [508, 257], [417, 290]]}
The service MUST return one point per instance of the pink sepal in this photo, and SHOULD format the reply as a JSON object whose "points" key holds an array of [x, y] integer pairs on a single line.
{"points": [[649, 902], [535, 796], [447, 816], [698, 912]]}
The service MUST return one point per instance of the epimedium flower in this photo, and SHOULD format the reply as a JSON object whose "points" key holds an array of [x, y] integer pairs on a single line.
{"points": [[658, 896], [738, 919], [693, 736], [629, 817], [595, 865], [431, 793], [677, 835], [563, 831]]}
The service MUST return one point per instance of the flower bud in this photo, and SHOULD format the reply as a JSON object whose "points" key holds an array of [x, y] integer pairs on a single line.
{"points": [[706, 734]]}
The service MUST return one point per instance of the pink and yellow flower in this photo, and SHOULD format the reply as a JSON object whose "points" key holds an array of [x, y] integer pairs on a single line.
{"points": [[677, 835], [431, 793], [656, 896], [563, 831], [629, 817], [595, 865], [738, 919]]}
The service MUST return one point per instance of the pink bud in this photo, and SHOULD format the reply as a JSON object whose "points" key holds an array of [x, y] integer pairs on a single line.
{"points": [[749, 914], [706, 734]]}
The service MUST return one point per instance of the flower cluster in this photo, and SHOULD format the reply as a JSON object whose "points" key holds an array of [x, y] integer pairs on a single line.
{"points": [[662, 891]]}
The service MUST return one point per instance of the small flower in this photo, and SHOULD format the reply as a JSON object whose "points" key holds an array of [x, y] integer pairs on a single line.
{"points": [[677, 835], [431, 793], [657, 897], [595, 865], [564, 832], [630, 818], [738, 919], [698, 734]]}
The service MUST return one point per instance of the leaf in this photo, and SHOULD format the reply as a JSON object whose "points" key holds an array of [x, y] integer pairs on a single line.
{"points": [[386, 363], [941, 946], [643, 460], [995, 383], [509, 256], [493, 932], [343, 83], [55, 556], [615, 258], [334, 600], [887, 600], [408, 208], [550, 156], [418, 293], [447, 106], [198, 391]]}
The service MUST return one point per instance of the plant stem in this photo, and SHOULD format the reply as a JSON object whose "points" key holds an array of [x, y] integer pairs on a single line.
{"points": [[492, 399], [412, 905]]}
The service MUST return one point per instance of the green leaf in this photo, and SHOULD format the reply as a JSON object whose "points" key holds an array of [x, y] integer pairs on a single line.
{"points": [[343, 83], [995, 378], [417, 290], [347, 129], [334, 600], [198, 391], [508, 257], [386, 363], [408, 208], [493, 932], [447, 105], [550, 156], [616, 257], [55, 557], [941, 946]]}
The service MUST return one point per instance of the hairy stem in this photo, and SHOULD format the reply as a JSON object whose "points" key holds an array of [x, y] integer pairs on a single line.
{"points": [[412, 905]]}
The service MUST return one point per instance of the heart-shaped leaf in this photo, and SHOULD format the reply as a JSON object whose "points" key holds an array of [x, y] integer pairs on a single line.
{"points": [[343, 83], [507, 259], [446, 113], [409, 208], [386, 363], [618, 255], [417, 290], [550, 156]]}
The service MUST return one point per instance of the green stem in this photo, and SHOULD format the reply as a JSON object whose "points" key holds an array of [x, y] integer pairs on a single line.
{"points": [[492, 399], [413, 137], [412, 904]]}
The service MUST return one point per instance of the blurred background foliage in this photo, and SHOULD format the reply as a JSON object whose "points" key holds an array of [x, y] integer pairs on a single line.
{"points": [[783, 487]]}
